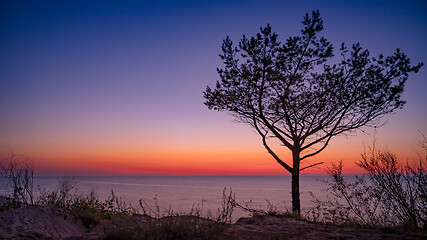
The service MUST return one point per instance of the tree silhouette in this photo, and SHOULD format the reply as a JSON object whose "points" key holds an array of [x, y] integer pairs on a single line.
{"points": [[288, 92]]}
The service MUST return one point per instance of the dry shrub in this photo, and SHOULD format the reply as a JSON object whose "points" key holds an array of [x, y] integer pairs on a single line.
{"points": [[389, 194], [19, 173]]}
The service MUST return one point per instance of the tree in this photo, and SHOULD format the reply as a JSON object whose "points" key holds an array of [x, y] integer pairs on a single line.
{"points": [[289, 93]]}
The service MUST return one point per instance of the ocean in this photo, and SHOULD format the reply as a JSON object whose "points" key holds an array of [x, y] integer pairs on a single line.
{"points": [[180, 193]]}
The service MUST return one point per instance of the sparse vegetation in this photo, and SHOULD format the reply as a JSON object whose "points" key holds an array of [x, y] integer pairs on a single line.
{"points": [[388, 195], [170, 227], [113, 214], [19, 173], [166, 224], [90, 209]]}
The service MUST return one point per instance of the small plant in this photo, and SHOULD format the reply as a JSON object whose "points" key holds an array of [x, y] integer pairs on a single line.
{"points": [[115, 204], [19, 173], [224, 214]]}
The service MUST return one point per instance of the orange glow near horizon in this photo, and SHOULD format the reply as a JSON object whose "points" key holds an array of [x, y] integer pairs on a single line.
{"points": [[237, 151], [255, 162]]}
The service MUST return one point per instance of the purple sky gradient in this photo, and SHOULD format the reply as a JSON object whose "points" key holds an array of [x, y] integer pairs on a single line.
{"points": [[83, 76]]}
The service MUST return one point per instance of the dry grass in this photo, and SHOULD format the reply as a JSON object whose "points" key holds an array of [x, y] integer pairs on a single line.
{"points": [[166, 224]]}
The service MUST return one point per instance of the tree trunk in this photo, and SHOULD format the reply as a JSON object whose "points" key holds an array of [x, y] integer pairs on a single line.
{"points": [[296, 205]]}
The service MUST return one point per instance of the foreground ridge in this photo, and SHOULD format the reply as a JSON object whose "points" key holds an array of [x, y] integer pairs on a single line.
{"points": [[53, 223]]}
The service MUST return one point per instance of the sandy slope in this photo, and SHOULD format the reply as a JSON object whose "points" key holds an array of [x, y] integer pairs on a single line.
{"points": [[271, 227], [39, 222], [47, 222]]}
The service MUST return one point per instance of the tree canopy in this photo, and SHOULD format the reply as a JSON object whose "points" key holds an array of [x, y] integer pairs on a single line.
{"points": [[300, 94]]}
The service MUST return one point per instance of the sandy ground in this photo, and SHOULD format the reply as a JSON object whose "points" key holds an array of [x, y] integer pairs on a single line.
{"points": [[52, 223], [271, 227], [40, 222]]}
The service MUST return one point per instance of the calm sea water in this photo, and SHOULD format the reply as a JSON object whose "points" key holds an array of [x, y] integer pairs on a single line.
{"points": [[181, 192]]}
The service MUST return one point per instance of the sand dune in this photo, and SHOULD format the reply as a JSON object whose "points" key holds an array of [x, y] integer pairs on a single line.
{"points": [[39, 222], [52, 223]]}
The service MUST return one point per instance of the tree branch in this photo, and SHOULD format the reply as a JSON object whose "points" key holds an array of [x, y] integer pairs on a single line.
{"points": [[283, 164], [270, 151], [312, 165]]}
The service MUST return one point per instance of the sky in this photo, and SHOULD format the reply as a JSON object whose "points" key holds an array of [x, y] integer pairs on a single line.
{"points": [[116, 87]]}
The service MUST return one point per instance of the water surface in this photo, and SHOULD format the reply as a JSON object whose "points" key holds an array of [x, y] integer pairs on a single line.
{"points": [[181, 192]]}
